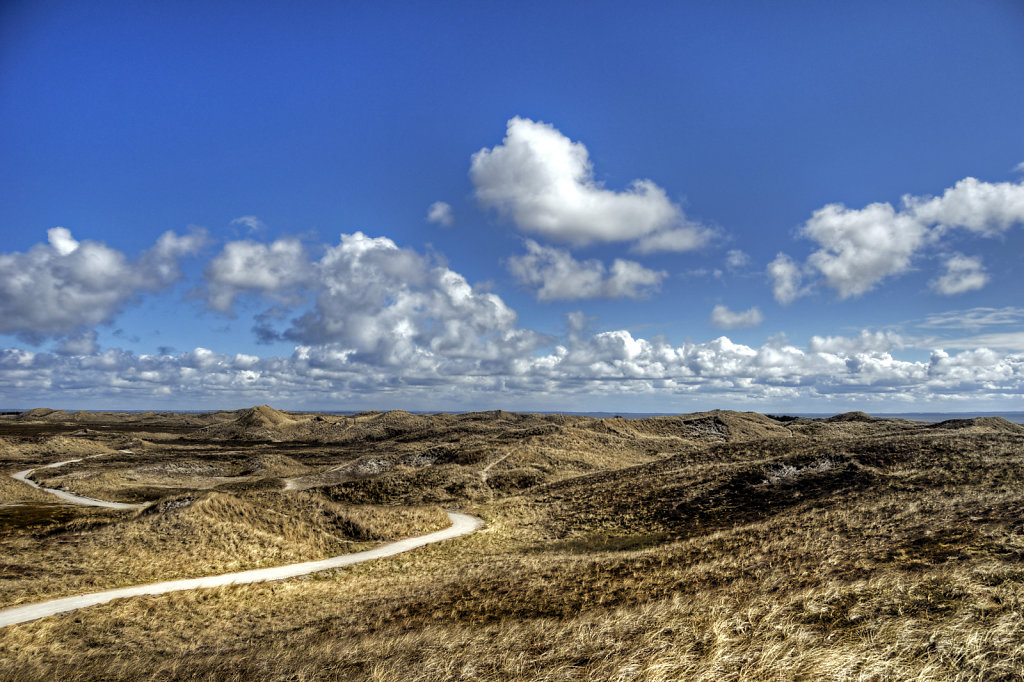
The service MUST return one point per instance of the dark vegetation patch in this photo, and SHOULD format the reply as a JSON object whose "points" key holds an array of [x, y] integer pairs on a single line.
{"points": [[16, 571], [757, 493], [37, 518], [514, 480], [443, 484]]}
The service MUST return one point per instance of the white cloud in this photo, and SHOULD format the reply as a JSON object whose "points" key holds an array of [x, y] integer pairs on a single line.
{"points": [[736, 259], [867, 342], [390, 325], [394, 304], [1019, 167], [555, 275], [251, 222], [723, 318], [786, 278], [83, 344], [274, 269], [829, 367], [983, 207], [974, 318], [1006, 341], [963, 274], [441, 213], [860, 248], [545, 183], [687, 238], [67, 285], [370, 299], [61, 240], [612, 364]]}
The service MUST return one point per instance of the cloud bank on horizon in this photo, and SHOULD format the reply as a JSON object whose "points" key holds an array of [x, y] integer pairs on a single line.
{"points": [[699, 221]]}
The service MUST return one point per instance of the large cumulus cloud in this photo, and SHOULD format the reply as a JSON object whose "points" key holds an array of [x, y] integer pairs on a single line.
{"points": [[385, 304], [544, 182], [860, 248], [68, 285]]}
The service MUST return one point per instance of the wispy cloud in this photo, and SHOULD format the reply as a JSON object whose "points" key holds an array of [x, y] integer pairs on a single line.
{"points": [[963, 274], [985, 328], [1001, 341], [736, 258], [973, 318], [251, 222]]}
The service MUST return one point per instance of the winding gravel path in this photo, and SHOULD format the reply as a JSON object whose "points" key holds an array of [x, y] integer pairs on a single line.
{"points": [[462, 524], [25, 477]]}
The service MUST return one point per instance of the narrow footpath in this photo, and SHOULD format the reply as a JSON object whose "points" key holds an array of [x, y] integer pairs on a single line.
{"points": [[462, 524]]}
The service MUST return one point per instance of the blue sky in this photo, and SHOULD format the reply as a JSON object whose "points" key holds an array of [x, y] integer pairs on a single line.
{"points": [[654, 207]]}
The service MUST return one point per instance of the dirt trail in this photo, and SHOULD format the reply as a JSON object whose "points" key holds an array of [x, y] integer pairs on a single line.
{"points": [[25, 477], [462, 524], [314, 480], [486, 471]]}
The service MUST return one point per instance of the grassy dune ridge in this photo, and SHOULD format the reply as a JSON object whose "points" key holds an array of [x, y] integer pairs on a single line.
{"points": [[710, 546]]}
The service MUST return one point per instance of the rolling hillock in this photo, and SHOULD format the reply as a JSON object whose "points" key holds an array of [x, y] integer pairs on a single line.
{"points": [[508, 451], [264, 423], [260, 423], [63, 447], [723, 484], [39, 414], [205, 532], [979, 425], [856, 416]]}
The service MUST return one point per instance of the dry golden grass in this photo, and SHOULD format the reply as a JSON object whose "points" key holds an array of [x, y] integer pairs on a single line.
{"points": [[157, 472], [14, 492], [836, 552], [194, 535]]}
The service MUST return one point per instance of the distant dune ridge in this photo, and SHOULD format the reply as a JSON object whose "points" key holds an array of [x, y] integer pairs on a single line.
{"points": [[264, 423], [415, 457]]}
